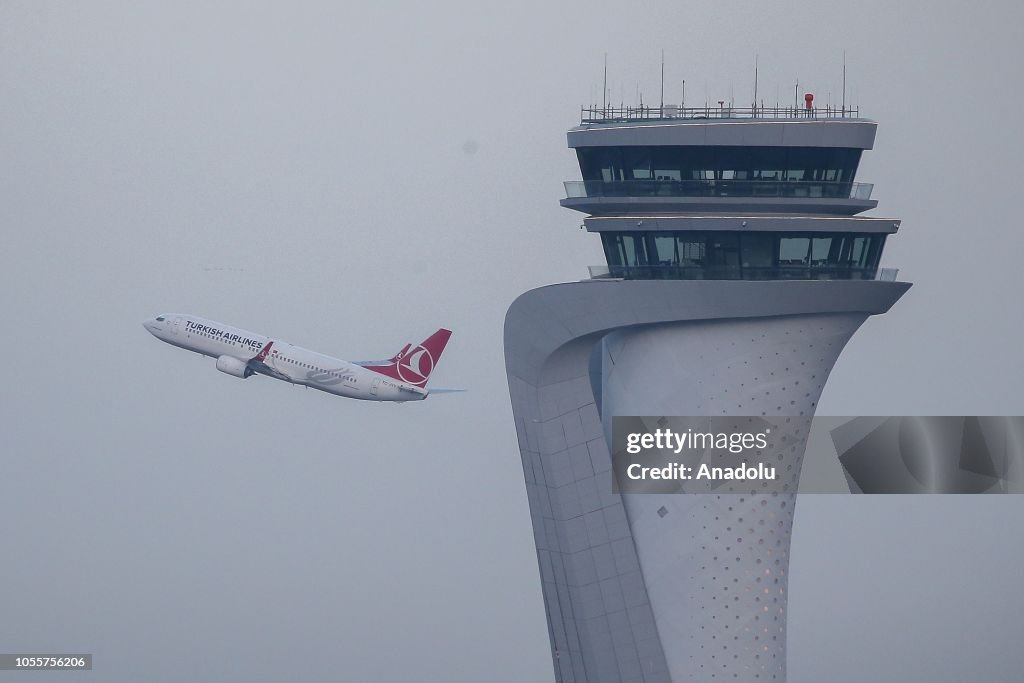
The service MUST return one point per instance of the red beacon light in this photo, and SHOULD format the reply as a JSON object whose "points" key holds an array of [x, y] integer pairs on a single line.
{"points": [[809, 101]]}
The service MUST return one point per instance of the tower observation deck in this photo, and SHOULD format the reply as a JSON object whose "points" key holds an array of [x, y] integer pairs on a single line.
{"points": [[729, 194], [738, 265]]}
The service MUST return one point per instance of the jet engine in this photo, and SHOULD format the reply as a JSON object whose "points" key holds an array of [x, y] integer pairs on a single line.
{"points": [[234, 366]]}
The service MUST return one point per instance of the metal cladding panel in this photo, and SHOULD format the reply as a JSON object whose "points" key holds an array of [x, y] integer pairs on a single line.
{"points": [[851, 133], [594, 575], [602, 622]]}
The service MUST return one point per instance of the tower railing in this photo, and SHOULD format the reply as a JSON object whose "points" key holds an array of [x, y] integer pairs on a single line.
{"points": [[740, 272], [718, 188], [625, 113]]}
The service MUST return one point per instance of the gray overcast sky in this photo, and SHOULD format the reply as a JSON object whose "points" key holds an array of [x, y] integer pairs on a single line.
{"points": [[350, 177]]}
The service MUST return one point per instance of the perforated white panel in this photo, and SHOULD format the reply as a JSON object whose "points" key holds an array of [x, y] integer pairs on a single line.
{"points": [[715, 565]]}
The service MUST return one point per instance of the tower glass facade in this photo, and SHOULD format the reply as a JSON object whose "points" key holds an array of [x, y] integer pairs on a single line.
{"points": [[718, 162], [734, 255]]}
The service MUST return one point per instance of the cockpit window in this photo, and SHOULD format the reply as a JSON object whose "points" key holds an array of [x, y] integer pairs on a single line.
{"points": [[159, 318]]}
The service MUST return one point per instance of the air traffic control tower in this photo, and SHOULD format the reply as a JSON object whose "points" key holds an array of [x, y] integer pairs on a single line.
{"points": [[738, 266]]}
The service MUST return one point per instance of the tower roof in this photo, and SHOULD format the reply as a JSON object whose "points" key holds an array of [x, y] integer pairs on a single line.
{"points": [[726, 130]]}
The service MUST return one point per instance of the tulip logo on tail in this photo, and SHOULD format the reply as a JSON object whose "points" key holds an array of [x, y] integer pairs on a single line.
{"points": [[413, 366]]}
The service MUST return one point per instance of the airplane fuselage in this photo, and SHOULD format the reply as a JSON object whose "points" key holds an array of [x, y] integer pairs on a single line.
{"points": [[235, 349]]}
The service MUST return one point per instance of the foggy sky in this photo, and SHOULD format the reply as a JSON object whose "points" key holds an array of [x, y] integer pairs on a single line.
{"points": [[351, 177]]}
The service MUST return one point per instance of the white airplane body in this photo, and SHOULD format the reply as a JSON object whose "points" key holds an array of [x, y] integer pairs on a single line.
{"points": [[242, 354]]}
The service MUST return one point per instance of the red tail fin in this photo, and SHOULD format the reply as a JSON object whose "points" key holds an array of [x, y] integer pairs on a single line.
{"points": [[413, 366]]}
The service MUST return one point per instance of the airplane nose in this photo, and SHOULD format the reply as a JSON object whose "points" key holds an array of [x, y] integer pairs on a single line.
{"points": [[149, 325]]}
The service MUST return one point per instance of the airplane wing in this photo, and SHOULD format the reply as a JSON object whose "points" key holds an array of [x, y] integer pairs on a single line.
{"points": [[258, 364]]}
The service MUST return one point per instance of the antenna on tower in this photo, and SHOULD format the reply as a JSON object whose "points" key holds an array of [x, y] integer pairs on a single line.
{"points": [[604, 86], [844, 82], [661, 110], [755, 85]]}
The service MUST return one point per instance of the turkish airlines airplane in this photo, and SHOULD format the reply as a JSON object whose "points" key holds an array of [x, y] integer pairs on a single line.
{"points": [[403, 377]]}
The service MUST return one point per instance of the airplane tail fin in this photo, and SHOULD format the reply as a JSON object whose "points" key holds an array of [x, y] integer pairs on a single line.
{"points": [[414, 365]]}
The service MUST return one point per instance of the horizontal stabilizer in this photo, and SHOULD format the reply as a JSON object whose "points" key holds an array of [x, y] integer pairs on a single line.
{"points": [[389, 361]]}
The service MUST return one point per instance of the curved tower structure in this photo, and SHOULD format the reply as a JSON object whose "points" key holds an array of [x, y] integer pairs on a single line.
{"points": [[737, 269]]}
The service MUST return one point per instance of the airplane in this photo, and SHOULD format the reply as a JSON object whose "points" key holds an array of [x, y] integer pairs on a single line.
{"points": [[239, 353]]}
